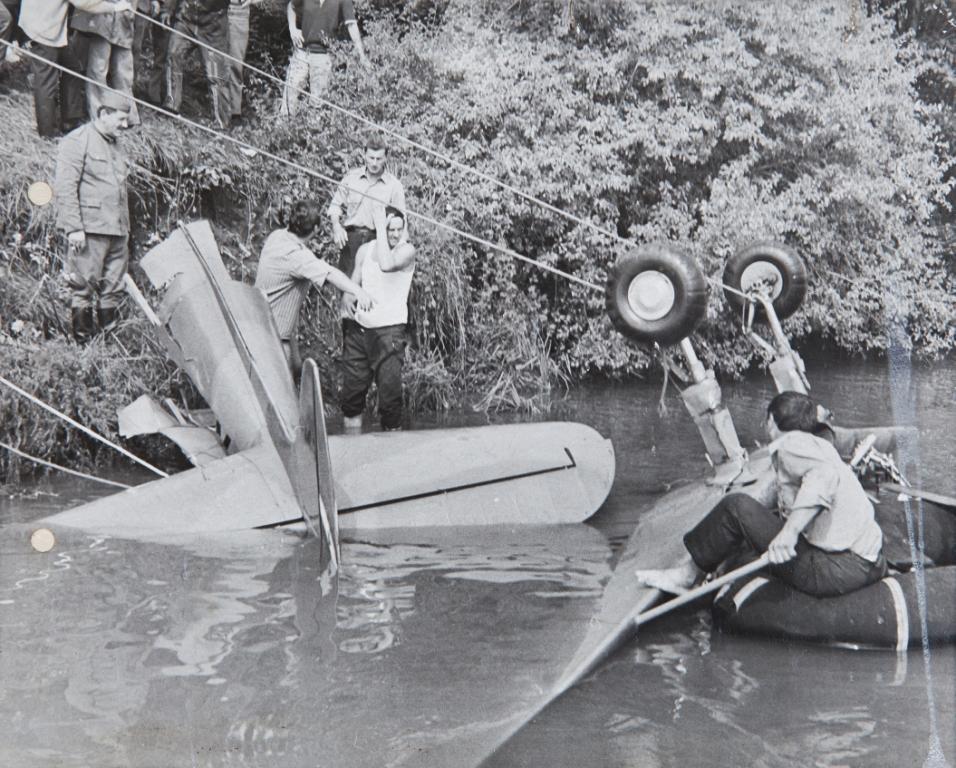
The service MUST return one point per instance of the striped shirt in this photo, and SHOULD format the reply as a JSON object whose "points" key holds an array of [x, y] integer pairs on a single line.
{"points": [[286, 270], [353, 197]]}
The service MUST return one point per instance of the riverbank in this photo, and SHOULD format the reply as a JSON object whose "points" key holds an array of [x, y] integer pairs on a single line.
{"points": [[720, 128]]}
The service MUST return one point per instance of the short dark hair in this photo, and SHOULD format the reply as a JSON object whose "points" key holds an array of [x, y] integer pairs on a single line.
{"points": [[792, 411], [304, 217], [391, 211], [375, 140]]}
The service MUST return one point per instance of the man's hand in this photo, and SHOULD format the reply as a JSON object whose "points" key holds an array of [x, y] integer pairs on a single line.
{"points": [[297, 39], [339, 236], [348, 305], [364, 301], [77, 239], [783, 547]]}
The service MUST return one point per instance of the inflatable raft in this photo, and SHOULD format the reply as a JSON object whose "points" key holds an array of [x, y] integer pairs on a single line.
{"points": [[883, 615]]}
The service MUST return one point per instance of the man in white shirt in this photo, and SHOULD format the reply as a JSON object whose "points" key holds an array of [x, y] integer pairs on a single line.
{"points": [[373, 341]]}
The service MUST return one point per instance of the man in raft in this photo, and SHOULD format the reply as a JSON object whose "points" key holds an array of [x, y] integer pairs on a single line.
{"points": [[815, 521]]}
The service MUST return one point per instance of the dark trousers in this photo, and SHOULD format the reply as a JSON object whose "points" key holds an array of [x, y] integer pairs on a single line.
{"points": [[213, 31], [358, 236], [373, 353], [150, 78], [58, 98], [741, 526]]}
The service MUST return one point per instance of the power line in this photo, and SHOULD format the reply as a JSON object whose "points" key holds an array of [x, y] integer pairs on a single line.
{"points": [[321, 176], [394, 134]]}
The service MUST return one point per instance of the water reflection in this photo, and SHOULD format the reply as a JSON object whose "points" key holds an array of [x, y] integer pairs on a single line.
{"points": [[241, 647]]}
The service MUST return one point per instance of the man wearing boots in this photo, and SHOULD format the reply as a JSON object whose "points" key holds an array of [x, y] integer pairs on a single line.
{"points": [[93, 211]]}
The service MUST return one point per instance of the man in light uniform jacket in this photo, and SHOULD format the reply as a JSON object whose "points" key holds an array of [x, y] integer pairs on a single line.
{"points": [[93, 211]]}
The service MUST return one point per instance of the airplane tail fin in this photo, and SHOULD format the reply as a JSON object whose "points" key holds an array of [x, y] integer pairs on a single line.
{"points": [[313, 433]]}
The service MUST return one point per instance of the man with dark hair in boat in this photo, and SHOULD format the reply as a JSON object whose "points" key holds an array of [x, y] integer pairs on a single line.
{"points": [[373, 341], [288, 268], [815, 521], [357, 195], [93, 211]]}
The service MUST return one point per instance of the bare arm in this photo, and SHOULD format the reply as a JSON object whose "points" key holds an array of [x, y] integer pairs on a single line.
{"points": [[391, 259], [101, 6], [345, 284]]}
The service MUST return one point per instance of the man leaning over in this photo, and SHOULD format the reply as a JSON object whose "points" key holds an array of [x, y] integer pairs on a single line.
{"points": [[288, 269], [93, 211]]}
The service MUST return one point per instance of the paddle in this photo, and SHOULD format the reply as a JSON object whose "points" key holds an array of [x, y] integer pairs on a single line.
{"points": [[628, 623], [916, 493], [704, 589]]}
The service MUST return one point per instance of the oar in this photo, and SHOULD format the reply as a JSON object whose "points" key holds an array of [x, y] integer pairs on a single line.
{"points": [[916, 493], [704, 589], [626, 625]]}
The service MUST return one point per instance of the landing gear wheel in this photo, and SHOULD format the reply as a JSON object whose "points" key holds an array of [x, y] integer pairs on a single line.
{"points": [[769, 267], [656, 294]]}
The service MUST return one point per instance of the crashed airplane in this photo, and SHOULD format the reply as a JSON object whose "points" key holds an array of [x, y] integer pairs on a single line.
{"points": [[278, 466]]}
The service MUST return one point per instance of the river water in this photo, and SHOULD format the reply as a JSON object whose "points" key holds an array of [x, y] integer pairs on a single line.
{"points": [[235, 651]]}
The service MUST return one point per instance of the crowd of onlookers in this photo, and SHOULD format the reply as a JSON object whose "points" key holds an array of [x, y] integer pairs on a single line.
{"points": [[106, 40]]}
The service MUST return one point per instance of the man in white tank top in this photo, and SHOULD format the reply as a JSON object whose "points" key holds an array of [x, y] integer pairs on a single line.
{"points": [[373, 340]]}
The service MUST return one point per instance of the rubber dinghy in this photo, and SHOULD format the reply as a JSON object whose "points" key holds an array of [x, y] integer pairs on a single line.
{"points": [[882, 615]]}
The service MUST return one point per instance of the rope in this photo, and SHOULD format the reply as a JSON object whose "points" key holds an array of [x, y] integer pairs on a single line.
{"points": [[86, 430], [321, 176], [63, 469], [394, 134]]}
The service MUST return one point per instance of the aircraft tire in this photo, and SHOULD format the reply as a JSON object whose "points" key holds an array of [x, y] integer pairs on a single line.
{"points": [[656, 294], [767, 262]]}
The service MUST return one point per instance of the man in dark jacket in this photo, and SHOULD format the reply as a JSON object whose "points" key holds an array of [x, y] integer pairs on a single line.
{"points": [[93, 211], [208, 22]]}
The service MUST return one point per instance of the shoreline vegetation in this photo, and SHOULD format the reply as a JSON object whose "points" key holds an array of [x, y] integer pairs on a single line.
{"points": [[709, 125]]}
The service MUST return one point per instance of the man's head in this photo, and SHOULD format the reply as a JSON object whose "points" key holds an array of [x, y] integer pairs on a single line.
{"points": [[376, 152], [304, 218], [112, 115], [394, 225]]}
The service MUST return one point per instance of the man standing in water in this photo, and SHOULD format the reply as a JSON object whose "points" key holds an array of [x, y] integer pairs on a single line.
{"points": [[288, 268], [356, 196], [93, 211], [373, 341]]}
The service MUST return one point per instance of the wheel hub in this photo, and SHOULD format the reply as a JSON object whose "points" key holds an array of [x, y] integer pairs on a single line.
{"points": [[762, 277], [651, 295]]}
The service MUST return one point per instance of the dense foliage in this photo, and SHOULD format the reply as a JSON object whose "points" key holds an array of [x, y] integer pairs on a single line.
{"points": [[710, 124]]}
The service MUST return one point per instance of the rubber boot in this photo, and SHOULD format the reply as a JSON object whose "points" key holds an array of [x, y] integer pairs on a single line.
{"points": [[83, 323], [106, 317]]}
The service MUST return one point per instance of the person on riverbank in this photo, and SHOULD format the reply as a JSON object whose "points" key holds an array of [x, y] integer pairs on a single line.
{"points": [[374, 340], [815, 521], [208, 22], [288, 268], [58, 98], [93, 211], [360, 190], [109, 55], [312, 27]]}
